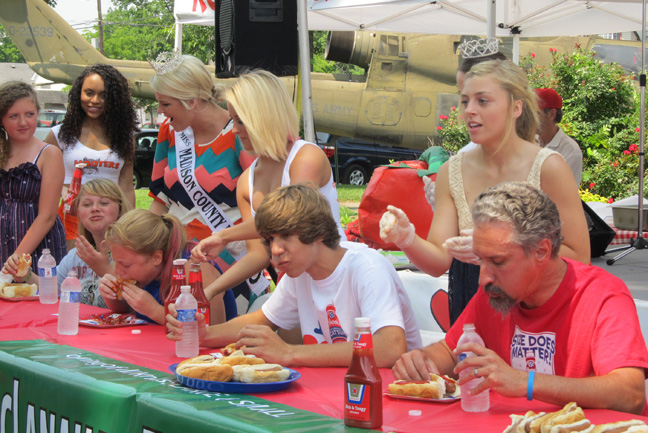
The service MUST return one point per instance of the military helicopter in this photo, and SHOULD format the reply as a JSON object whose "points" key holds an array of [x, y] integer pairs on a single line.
{"points": [[409, 79]]}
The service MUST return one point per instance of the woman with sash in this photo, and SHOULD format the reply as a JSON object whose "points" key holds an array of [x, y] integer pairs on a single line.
{"points": [[198, 158]]}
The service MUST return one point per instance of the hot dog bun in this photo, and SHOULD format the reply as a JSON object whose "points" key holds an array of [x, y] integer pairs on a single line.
{"points": [[241, 360], [229, 349], [23, 265], [260, 373], [567, 420], [620, 427], [120, 286], [205, 367], [433, 388], [18, 290]]}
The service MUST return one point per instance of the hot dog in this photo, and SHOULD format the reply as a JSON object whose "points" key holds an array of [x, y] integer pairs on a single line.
{"points": [[205, 367], [18, 290], [433, 388], [260, 373], [23, 265], [120, 286]]}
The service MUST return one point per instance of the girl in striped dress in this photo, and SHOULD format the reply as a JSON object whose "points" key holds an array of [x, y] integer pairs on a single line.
{"points": [[31, 178]]}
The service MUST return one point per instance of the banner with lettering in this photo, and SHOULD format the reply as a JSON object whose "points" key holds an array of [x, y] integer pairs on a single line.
{"points": [[199, 12], [60, 389]]}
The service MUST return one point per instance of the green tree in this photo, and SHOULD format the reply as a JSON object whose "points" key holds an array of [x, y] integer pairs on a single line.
{"points": [[137, 30], [141, 29], [9, 53], [601, 112], [320, 64]]}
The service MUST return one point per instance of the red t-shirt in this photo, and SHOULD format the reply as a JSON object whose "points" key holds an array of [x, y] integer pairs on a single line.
{"points": [[589, 327]]}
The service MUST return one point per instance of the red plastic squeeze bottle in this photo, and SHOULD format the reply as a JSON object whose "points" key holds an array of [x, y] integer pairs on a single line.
{"points": [[195, 281], [362, 383], [178, 279]]}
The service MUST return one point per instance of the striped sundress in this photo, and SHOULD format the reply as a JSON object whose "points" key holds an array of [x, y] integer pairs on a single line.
{"points": [[19, 193]]}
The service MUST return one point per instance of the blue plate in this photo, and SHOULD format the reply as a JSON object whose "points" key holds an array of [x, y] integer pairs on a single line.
{"points": [[235, 387]]}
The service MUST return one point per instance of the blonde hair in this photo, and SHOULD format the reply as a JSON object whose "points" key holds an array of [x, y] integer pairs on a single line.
{"points": [[514, 81], [146, 233], [265, 107], [189, 80], [101, 187]]}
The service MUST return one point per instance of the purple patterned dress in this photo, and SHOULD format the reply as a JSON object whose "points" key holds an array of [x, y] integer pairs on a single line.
{"points": [[19, 194]]}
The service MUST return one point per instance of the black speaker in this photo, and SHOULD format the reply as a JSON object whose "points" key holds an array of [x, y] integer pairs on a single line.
{"points": [[600, 233], [254, 34]]}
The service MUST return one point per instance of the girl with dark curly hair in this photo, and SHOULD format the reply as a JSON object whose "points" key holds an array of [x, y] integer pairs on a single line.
{"points": [[98, 130], [31, 177]]}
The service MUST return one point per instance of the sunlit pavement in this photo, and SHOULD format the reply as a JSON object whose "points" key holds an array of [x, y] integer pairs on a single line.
{"points": [[632, 269]]}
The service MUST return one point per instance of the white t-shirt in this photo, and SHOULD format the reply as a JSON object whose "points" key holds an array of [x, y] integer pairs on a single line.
{"points": [[364, 284], [101, 163]]}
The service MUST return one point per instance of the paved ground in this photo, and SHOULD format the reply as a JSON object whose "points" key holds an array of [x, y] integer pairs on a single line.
{"points": [[632, 269]]}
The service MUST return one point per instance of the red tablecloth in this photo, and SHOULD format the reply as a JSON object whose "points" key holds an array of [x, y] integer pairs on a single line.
{"points": [[319, 390]]}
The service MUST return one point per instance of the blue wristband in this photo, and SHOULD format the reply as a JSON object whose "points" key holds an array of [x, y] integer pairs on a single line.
{"points": [[530, 385]]}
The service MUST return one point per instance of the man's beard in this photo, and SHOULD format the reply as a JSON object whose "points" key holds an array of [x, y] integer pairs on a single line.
{"points": [[503, 302]]}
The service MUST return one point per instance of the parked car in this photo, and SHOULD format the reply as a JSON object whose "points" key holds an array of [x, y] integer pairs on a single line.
{"points": [[145, 143], [357, 159], [46, 119]]}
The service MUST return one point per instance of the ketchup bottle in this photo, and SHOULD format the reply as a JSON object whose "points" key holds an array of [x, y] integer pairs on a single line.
{"points": [[178, 279], [195, 281], [362, 383], [73, 190]]}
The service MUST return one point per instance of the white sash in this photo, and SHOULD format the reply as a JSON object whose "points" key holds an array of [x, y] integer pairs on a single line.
{"points": [[212, 214]]}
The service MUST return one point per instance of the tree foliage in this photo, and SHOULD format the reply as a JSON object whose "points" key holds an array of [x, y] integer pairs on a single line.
{"points": [[9, 53]]}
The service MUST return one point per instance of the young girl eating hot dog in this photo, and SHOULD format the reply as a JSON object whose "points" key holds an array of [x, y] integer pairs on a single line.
{"points": [[143, 246]]}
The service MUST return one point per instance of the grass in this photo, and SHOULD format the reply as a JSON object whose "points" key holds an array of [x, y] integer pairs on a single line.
{"points": [[346, 193], [142, 199], [350, 192]]}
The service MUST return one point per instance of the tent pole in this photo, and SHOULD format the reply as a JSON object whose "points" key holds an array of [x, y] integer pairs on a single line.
{"points": [[178, 36], [639, 243], [304, 69]]}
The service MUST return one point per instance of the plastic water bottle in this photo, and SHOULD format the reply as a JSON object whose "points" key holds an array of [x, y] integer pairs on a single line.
{"points": [[68, 316], [186, 306], [47, 281], [479, 402]]}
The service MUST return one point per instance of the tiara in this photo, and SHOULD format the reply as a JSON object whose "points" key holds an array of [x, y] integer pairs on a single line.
{"points": [[478, 48], [166, 62]]}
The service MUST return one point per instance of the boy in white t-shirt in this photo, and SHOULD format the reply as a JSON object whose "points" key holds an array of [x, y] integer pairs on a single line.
{"points": [[325, 286]]}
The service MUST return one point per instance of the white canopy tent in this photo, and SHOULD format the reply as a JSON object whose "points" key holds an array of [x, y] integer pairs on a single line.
{"points": [[471, 17]]}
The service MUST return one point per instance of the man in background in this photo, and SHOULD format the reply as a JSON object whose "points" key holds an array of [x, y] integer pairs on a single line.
{"points": [[552, 136]]}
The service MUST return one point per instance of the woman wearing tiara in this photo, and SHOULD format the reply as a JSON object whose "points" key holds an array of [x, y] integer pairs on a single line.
{"points": [[267, 123], [198, 158], [98, 129], [501, 113]]}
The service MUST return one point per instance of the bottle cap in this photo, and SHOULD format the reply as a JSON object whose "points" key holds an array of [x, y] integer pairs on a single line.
{"points": [[136, 331], [468, 326], [362, 322], [415, 412], [185, 289], [72, 273], [46, 251], [178, 262]]}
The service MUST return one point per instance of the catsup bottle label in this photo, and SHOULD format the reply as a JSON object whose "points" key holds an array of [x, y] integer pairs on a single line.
{"points": [[335, 329], [357, 401], [362, 341]]}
